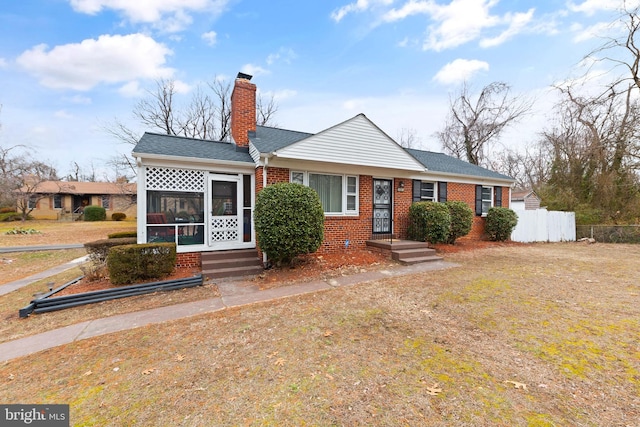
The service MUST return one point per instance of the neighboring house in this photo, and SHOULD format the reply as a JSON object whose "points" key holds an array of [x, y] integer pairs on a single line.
{"points": [[524, 200], [67, 199], [202, 194]]}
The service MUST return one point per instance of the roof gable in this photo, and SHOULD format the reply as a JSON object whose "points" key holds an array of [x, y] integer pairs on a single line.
{"points": [[357, 141]]}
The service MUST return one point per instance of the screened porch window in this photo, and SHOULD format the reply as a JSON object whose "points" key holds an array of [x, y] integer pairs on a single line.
{"points": [[174, 216]]}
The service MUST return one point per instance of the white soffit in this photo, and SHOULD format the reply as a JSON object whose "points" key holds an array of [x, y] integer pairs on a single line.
{"points": [[356, 141]]}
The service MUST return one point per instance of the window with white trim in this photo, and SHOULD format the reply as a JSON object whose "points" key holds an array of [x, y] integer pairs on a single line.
{"points": [[487, 199], [338, 193], [105, 201], [57, 201], [428, 191]]}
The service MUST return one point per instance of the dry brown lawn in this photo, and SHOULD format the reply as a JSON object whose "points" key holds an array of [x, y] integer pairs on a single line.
{"points": [[534, 335]]}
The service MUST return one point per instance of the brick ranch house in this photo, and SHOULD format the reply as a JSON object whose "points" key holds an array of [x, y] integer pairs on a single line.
{"points": [[201, 194], [62, 200]]}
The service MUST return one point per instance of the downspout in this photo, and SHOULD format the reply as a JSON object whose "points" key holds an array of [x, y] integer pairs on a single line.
{"points": [[264, 185]]}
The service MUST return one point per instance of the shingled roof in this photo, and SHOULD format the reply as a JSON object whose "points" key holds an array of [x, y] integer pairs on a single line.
{"points": [[178, 146], [440, 162], [268, 139]]}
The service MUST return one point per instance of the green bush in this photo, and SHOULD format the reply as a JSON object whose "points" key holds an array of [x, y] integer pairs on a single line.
{"points": [[500, 222], [429, 222], [119, 234], [118, 216], [99, 249], [289, 221], [95, 213], [133, 263], [461, 220], [10, 216]]}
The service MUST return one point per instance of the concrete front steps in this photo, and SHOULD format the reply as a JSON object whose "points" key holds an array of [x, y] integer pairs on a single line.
{"points": [[405, 251], [232, 263]]}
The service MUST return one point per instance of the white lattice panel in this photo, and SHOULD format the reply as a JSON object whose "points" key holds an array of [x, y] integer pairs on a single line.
{"points": [[175, 179], [224, 229]]}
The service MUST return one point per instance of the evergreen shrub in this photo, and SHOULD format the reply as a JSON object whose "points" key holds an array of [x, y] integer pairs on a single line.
{"points": [[289, 221], [500, 222]]}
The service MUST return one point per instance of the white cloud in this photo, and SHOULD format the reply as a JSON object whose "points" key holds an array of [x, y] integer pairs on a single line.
{"points": [[3, 63], [358, 6], [591, 32], [460, 21], [517, 22], [170, 15], [62, 114], [131, 89], [253, 70], [590, 7], [460, 70], [109, 59], [210, 38], [284, 54], [181, 87]]}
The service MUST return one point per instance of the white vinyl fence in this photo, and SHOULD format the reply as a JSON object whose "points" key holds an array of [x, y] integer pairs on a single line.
{"points": [[541, 225]]}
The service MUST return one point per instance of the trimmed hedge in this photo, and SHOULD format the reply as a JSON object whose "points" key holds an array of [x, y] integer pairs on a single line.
{"points": [[95, 213], [99, 249], [289, 221], [461, 220], [132, 263], [429, 222], [118, 216], [119, 234], [500, 223]]}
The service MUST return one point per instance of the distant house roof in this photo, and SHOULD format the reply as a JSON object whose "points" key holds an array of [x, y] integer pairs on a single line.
{"points": [[178, 146], [520, 195], [75, 187], [440, 162]]}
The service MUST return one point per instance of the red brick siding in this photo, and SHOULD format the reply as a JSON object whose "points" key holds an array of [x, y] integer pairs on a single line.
{"points": [[243, 111], [189, 260]]}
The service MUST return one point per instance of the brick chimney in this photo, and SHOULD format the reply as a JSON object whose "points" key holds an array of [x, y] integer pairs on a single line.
{"points": [[243, 109]]}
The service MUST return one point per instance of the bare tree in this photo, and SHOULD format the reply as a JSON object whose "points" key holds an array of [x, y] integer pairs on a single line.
{"points": [[408, 138], [206, 116], [473, 124], [28, 180], [595, 148], [266, 110]]}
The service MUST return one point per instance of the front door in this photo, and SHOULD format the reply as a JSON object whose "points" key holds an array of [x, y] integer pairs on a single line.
{"points": [[382, 192], [226, 212]]}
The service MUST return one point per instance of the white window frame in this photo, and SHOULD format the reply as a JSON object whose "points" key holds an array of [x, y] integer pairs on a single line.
{"points": [[345, 193], [435, 191], [490, 199]]}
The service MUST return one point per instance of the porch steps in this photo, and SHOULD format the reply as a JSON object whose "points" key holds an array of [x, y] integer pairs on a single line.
{"points": [[232, 263], [406, 251]]}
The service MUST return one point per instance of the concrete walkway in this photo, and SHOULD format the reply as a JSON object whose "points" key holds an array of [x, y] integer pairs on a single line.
{"points": [[234, 293], [12, 286]]}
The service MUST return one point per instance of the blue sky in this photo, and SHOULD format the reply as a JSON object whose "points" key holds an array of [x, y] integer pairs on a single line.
{"points": [[70, 67]]}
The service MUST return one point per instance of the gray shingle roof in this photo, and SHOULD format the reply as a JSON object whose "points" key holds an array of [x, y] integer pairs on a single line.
{"points": [[169, 145], [440, 162], [268, 139]]}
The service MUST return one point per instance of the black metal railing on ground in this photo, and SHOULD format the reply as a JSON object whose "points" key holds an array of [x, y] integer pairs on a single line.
{"points": [[48, 302]]}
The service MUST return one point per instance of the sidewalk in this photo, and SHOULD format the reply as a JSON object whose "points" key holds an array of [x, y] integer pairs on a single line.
{"points": [[234, 293]]}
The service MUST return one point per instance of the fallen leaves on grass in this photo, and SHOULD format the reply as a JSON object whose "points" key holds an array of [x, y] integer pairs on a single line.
{"points": [[517, 384], [148, 371], [434, 390]]}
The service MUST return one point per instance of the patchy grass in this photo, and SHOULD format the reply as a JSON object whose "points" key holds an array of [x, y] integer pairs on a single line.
{"points": [[57, 232], [18, 265], [536, 335]]}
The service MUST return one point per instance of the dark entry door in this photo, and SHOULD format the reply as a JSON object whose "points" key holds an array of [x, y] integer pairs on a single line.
{"points": [[382, 192]]}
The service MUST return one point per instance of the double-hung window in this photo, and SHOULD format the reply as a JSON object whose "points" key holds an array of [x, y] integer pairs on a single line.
{"points": [[338, 193], [105, 201], [57, 201], [487, 197], [427, 191]]}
